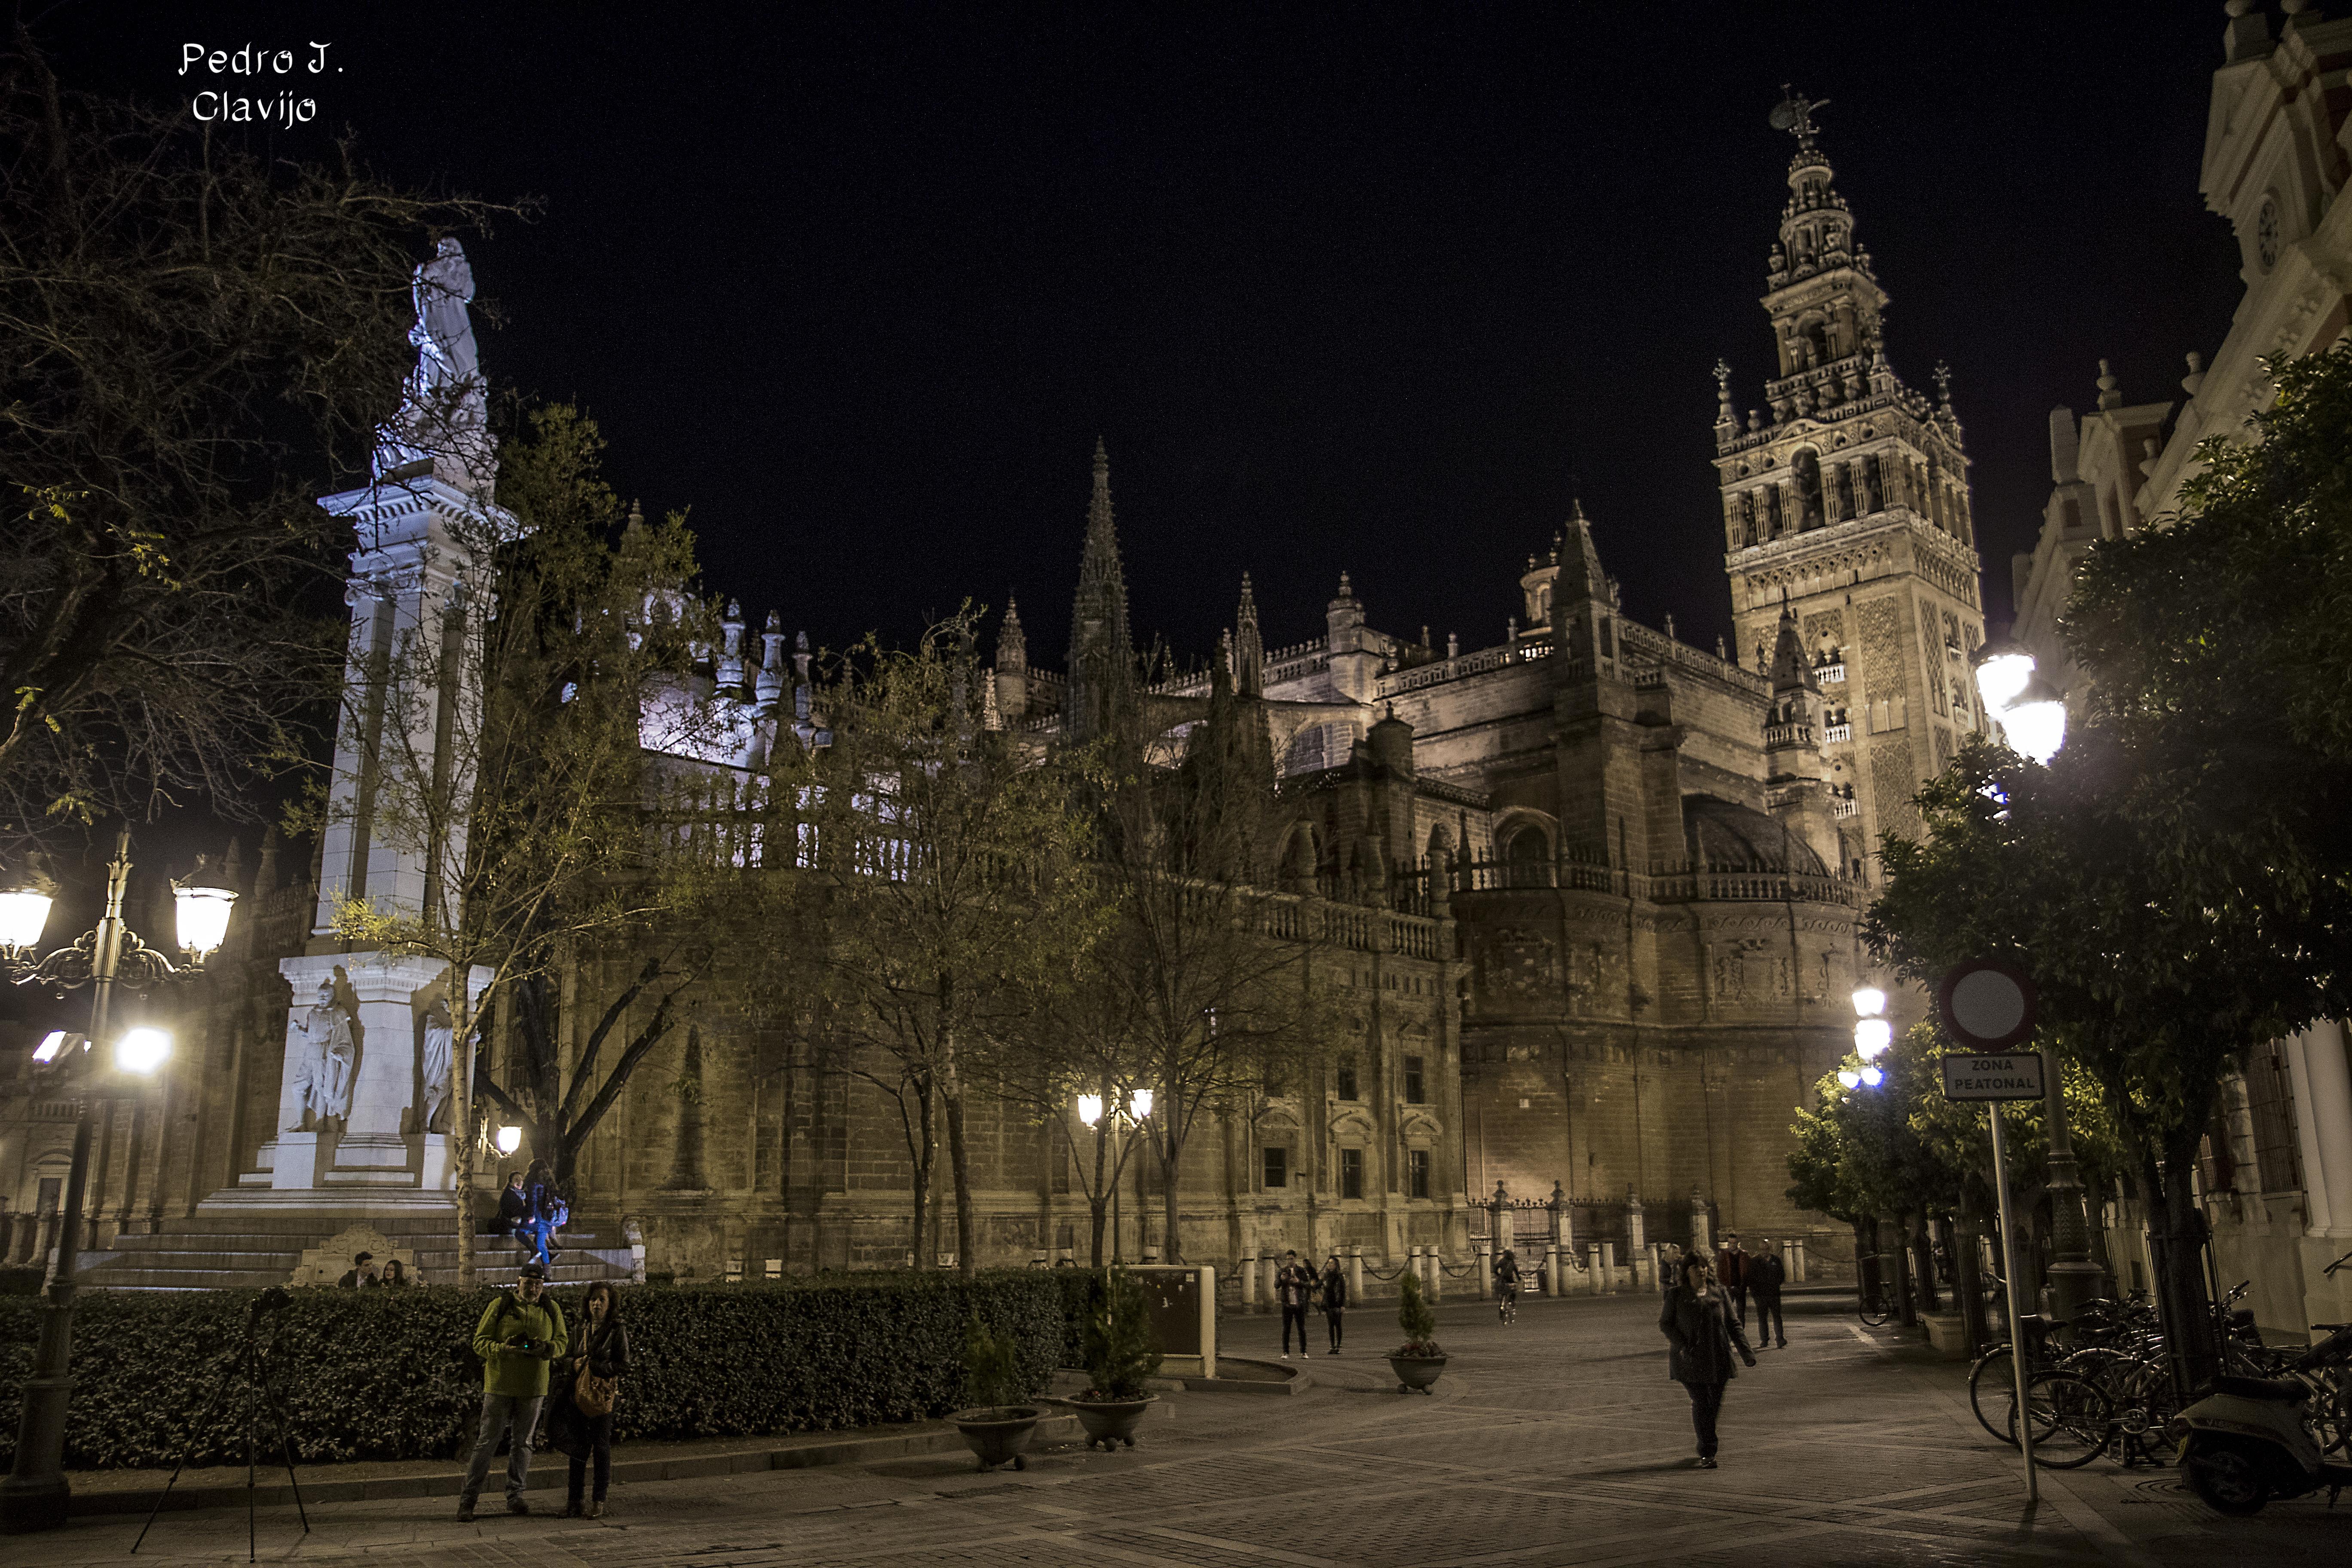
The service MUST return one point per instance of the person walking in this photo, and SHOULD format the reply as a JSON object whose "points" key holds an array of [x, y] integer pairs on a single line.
{"points": [[1701, 1333], [1506, 1287], [519, 1335], [1731, 1273], [1765, 1274], [1335, 1299], [1293, 1287], [602, 1356]]}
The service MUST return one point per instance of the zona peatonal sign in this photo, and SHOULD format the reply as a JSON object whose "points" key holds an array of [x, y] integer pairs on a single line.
{"points": [[2004, 1075], [1988, 1005]]}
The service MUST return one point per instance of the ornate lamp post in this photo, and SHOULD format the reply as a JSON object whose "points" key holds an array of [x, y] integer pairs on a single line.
{"points": [[1091, 1111], [2032, 718], [35, 1493]]}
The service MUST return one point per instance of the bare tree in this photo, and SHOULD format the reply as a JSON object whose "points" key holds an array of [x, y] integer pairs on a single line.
{"points": [[193, 341]]}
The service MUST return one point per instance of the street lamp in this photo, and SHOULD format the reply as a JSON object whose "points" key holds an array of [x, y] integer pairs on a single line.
{"points": [[1133, 1114], [34, 1494], [509, 1139], [2031, 711], [2033, 715]]}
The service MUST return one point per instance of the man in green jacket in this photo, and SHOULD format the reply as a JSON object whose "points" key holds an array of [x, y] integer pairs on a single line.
{"points": [[519, 1335]]}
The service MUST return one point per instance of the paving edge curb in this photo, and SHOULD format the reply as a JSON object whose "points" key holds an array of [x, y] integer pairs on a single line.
{"points": [[552, 1477]]}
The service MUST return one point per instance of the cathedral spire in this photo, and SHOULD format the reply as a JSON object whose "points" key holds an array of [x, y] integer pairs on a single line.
{"points": [[1249, 645], [1102, 651]]}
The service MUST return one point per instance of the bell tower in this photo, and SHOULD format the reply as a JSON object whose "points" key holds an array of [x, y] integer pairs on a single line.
{"points": [[1846, 506]]}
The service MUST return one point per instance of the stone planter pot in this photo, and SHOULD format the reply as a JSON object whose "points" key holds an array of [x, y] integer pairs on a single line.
{"points": [[998, 1433], [1111, 1421], [1416, 1371]]}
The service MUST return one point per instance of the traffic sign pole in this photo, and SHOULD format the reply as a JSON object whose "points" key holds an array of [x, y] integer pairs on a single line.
{"points": [[2016, 1327]]}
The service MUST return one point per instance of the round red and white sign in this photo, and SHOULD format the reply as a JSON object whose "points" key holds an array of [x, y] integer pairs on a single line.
{"points": [[1986, 1004]]}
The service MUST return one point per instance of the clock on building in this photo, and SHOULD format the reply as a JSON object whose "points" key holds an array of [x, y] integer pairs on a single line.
{"points": [[2266, 233]]}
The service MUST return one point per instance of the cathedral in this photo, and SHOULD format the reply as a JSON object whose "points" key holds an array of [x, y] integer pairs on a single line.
{"points": [[1599, 890]]}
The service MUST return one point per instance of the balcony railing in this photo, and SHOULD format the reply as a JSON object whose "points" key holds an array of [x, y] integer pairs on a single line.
{"points": [[1832, 733]]}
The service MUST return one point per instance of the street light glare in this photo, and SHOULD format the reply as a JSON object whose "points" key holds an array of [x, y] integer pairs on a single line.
{"points": [[142, 1050], [1869, 1002], [1873, 1077], [52, 1044], [1090, 1109], [509, 1140], [1873, 1036], [204, 917], [1139, 1104], [2001, 675], [2037, 724], [24, 912], [1849, 1079]]}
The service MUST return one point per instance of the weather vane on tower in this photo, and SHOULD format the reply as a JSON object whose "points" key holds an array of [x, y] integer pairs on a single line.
{"points": [[1794, 113]]}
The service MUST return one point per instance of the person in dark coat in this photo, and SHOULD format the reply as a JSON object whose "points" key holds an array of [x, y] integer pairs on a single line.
{"points": [[1335, 1299], [514, 1209], [1703, 1334], [1731, 1273], [1765, 1274], [1293, 1289], [602, 1352]]}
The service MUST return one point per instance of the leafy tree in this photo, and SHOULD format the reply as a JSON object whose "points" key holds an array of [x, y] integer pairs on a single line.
{"points": [[2178, 881], [949, 885], [192, 340], [525, 799]]}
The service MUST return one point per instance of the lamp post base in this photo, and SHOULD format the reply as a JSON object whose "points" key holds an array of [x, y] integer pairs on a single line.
{"points": [[31, 1503], [2072, 1285]]}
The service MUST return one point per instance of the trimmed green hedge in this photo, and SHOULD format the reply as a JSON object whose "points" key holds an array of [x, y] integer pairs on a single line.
{"points": [[371, 1374]]}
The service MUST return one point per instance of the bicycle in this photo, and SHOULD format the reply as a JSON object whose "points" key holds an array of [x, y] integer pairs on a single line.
{"points": [[1506, 1309], [1876, 1302]]}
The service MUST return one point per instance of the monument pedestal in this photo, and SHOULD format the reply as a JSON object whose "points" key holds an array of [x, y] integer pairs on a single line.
{"points": [[299, 1158]]}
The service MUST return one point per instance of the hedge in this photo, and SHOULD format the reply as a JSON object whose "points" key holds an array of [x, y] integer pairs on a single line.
{"points": [[377, 1374]]}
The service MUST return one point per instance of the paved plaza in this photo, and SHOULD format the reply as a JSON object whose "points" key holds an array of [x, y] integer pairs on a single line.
{"points": [[1557, 1441]]}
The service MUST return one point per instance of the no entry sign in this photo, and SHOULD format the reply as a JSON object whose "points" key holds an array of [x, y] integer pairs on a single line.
{"points": [[1987, 1005], [2006, 1075]]}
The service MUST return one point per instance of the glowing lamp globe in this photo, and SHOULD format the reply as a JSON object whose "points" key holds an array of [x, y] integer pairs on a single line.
{"points": [[52, 1046], [24, 912], [1139, 1104], [1849, 1079], [142, 1050], [1869, 1002], [203, 916], [1873, 1077], [1873, 1036], [509, 1140], [2036, 722], [1090, 1109], [2002, 670]]}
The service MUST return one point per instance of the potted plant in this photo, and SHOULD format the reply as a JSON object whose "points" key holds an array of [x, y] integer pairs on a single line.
{"points": [[995, 1425], [1421, 1358], [1119, 1355]]}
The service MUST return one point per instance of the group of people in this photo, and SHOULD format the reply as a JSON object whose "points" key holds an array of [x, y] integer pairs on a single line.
{"points": [[532, 1211], [527, 1348], [1705, 1320], [363, 1274], [1298, 1287]]}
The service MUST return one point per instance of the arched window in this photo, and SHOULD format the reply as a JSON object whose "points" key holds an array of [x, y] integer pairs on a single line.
{"points": [[1807, 470], [1817, 341], [1527, 854]]}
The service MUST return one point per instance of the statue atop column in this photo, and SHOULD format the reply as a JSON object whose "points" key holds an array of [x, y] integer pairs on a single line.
{"points": [[444, 418]]}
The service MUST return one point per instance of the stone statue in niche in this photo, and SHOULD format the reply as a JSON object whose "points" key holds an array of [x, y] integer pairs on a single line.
{"points": [[440, 1040], [324, 1058]]}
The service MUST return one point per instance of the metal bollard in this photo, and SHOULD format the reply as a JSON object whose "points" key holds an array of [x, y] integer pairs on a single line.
{"points": [[1355, 1274], [1436, 1266]]}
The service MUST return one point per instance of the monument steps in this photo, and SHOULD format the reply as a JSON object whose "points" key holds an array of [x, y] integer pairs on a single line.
{"points": [[246, 1250]]}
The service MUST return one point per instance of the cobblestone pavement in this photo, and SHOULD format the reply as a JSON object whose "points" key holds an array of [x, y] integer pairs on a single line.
{"points": [[1557, 1441]]}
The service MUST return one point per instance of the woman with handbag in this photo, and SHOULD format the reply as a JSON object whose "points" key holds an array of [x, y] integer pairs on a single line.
{"points": [[596, 1385]]}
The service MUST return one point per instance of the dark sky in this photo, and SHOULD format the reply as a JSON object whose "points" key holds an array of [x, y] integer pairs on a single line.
{"points": [[1373, 288]]}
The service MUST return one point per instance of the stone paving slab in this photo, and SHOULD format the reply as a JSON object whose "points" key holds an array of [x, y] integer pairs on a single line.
{"points": [[1557, 1441]]}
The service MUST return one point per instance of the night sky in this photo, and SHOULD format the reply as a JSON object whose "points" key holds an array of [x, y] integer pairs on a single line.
{"points": [[1371, 288]]}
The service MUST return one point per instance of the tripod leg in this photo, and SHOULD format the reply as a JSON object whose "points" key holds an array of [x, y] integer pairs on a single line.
{"points": [[166, 1492], [252, 1546], [286, 1442]]}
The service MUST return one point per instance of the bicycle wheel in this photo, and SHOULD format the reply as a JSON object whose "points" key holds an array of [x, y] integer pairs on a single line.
{"points": [[1992, 1394], [2069, 1419], [1875, 1310]]}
